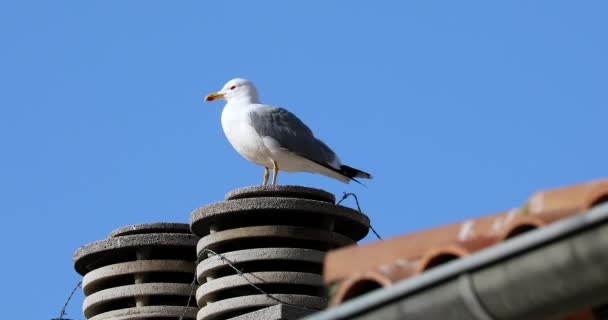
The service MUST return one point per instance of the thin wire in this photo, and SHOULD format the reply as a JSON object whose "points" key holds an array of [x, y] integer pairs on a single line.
{"points": [[349, 194], [241, 274], [192, 286], [65, 305]]}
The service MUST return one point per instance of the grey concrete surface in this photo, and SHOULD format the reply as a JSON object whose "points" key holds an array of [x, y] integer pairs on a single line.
{"points": [[262, 256], [154, 227], [272, 236], [97, 302], [282, 191], [232, 306], [273, 211], [148, 312], [123, 248], [276, 312], [99, 278], [225, 285]]}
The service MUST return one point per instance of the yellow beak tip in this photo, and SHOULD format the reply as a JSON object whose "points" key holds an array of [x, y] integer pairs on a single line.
{"points": [[213, 96]]}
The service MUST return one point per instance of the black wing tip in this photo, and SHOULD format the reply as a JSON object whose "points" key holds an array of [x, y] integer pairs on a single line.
{"points": [[353, 173], [348, 172]]}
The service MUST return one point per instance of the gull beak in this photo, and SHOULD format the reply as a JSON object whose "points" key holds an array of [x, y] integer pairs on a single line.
{"points": [[214, 96]]}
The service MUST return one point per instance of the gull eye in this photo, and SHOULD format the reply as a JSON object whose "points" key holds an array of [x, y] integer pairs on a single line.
{"points": [[233, 87]]}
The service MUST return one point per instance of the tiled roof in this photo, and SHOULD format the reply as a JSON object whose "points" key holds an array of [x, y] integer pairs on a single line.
{"points": [[353, 271], [555, 272]]}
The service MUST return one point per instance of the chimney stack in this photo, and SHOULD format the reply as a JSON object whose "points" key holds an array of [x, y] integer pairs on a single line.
{"points": [[277, 236], [260, 256], [141, 271]]}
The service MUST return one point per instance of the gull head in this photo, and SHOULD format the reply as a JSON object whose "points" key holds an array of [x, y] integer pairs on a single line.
{"points": [[236, 90]]}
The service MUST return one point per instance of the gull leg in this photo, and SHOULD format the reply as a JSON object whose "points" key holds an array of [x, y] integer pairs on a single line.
{"points": [[266, 174], [275, 172]]}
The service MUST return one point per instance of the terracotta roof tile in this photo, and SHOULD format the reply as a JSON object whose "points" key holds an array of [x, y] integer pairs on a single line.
{"points": [[575, 198], [353, 260], [380, 264]]}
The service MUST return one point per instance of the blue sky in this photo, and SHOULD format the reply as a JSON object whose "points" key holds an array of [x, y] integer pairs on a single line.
{"points": [[458, 108]]}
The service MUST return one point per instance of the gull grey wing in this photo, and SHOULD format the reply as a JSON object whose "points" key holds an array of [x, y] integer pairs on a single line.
{"points": [[291, 133]]}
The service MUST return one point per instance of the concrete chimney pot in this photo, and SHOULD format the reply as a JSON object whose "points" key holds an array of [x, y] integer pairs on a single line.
{"points": [[278, 236], [138, 272]]}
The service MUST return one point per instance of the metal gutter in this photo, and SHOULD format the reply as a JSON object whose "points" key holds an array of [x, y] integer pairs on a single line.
{"points": [[542, 274]]}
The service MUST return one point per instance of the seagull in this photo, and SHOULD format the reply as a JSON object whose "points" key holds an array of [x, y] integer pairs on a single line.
{"points": [[273, 137]]}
